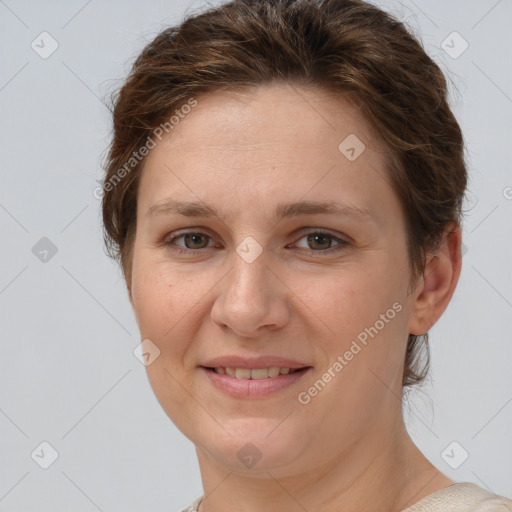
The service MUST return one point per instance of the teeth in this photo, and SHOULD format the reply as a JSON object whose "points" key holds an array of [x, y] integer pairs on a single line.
{"points": [[261, 373], [273, 371], [257, 373], [243, 373]]}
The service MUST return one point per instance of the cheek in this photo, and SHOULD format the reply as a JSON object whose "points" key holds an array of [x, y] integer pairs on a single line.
{"points": [[349, 300], [365, 319], [161, 306], [151, 300], [360, 315], [161, 302]]}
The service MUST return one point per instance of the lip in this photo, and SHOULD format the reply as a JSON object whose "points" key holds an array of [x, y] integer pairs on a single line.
{"points": [[253, 388], [253, 362]]}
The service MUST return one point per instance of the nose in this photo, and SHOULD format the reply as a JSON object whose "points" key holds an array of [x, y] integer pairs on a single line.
{"points": [[253, 298]]}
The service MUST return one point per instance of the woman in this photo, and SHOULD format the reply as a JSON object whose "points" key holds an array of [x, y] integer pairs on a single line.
{"points": [[242, 139]]}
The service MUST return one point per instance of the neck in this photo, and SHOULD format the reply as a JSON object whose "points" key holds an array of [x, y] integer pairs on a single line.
{"points": [[382, 472]]}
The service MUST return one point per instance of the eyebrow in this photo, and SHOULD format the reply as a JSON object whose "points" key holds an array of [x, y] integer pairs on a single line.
{"points": [[193, 209]]}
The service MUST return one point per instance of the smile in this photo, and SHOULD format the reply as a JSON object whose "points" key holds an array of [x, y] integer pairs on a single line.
{"points": [[253, 383], [256, 373]]}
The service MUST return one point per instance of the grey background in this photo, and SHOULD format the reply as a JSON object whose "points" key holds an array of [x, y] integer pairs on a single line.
{"points": [[68, 373]]}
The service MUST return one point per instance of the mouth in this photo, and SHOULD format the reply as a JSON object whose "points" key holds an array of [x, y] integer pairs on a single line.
{"points": [[254, 373], [252, 383]]}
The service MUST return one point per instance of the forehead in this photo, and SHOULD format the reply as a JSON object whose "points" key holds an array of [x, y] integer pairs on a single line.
{"points": [[270, 116], [278, 139]]}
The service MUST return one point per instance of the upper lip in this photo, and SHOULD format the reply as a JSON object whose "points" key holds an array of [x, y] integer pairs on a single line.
{"points": [[253, 362]]}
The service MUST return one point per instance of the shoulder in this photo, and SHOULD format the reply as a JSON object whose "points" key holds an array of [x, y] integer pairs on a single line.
{"points": [[462, 497]]}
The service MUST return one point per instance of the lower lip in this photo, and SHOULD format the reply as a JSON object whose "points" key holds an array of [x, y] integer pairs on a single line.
{"points": [[253, 388]]}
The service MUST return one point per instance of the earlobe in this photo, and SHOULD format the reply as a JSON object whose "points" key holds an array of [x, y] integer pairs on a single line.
{"points": [[437, 285]]}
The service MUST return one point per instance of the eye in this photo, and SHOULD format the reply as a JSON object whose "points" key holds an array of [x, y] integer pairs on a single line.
{"points": [[193, 241], [321, 241]]}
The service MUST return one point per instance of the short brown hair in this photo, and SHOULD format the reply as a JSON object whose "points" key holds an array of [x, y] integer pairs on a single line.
{"points": [[346, 47]]}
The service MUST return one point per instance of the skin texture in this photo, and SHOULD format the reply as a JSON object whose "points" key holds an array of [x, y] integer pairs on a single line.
{"points": [[347, 449]]}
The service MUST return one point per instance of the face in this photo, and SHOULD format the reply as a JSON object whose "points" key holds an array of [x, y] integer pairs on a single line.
{"points": [[257, 273]]}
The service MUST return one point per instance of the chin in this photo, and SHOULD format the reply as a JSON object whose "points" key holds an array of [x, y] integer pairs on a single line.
{"points": [[253, 450]]}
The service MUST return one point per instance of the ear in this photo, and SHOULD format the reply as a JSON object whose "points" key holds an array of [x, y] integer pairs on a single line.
{"points": [[435, 288]]}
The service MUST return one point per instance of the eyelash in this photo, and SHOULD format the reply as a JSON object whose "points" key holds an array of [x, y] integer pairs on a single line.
{"points": [[341, 243]]}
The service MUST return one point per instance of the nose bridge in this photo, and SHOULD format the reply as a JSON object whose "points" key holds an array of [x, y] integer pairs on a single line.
{"points": [[251, 296], [250, 270]]}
